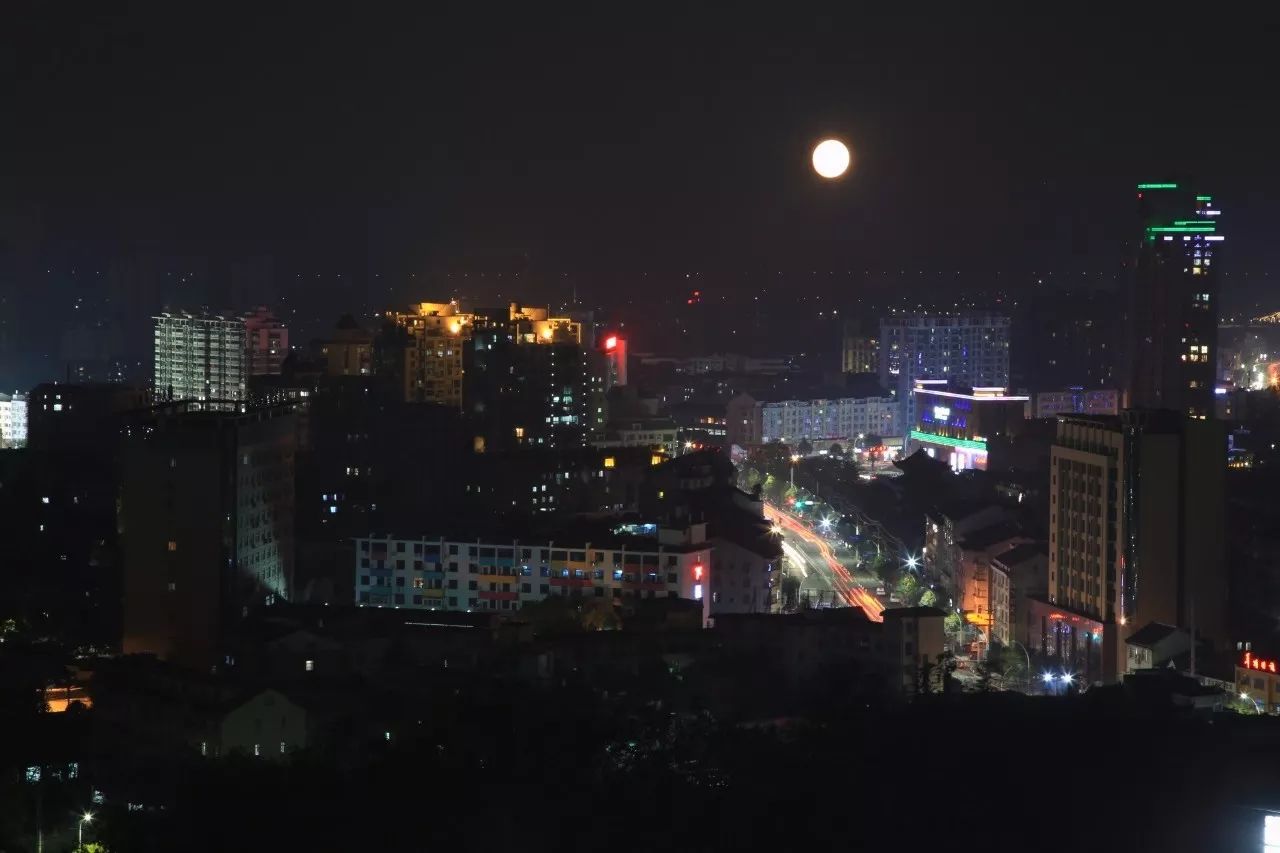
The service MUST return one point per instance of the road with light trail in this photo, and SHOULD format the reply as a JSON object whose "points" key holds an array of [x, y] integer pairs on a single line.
{"points": [[819, 555]]}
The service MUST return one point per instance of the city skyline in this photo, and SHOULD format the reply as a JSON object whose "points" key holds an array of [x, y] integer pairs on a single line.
{"points": [[666, 413]]}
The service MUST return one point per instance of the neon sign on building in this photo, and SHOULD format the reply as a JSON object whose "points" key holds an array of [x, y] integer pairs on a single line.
{"points": [[1250, 662]]}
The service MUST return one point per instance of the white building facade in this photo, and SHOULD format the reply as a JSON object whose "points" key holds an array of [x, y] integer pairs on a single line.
{"points": [[13, 420], [200, 357], [443, 574], [842, 420]]}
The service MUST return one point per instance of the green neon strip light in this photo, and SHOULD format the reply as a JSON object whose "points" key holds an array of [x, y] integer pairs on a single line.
{"points": [[1179, 229], [1157, 186], [965, 443], [1193, 222], [1204, 198]]}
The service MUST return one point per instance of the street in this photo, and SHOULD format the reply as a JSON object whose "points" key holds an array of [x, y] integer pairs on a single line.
{"points": [[820, 567]]}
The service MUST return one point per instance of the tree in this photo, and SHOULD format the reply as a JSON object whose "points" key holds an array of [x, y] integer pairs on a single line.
{"points": [[1009, 662], [804, 448], [836, 450], [908, 588], [790, 590], [928, 598]]}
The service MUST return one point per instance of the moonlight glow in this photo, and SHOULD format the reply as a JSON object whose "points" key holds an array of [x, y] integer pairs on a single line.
{"points": [[831, 158]]}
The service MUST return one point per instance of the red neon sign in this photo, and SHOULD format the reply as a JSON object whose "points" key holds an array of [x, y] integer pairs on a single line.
{"points": [[611, 342], [697, 572], [1250, 662]]}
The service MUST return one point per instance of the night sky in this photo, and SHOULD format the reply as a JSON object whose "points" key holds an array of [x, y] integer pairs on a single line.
{"points": [[605, 143]]}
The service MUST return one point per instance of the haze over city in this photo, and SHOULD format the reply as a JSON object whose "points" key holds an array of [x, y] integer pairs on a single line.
{"points": [[630, 427]]}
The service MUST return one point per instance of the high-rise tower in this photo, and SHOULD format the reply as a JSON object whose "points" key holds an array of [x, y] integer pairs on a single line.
{"points": [[1172, 328], [200, 357]]}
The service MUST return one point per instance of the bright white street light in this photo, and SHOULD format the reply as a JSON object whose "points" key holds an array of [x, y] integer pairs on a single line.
{"points": [[1047, 678], [831, 158]]}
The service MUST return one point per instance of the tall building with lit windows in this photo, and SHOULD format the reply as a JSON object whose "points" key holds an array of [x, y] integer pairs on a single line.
{"points": [[971, 349], [528, 380], [1172, 306], [859, 353], [437, 332], [442, 340], [200, 357], [1136, 534]]}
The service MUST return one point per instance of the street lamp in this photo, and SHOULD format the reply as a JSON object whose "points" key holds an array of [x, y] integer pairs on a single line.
{"points": [[795, 457], [912, 562], [1256, 707], [87, 817]]}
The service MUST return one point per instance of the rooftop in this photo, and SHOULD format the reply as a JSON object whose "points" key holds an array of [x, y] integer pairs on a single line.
{"points": [[908, 612], [1022, 553], [1151, 634]]}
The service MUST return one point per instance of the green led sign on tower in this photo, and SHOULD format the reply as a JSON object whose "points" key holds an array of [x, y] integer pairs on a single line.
{"points": [[1172, 302]]}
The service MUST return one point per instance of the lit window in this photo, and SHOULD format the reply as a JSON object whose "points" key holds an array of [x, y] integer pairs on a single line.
{"points": [[257, 749], [608, 463], [310, 666], [173, 546]]}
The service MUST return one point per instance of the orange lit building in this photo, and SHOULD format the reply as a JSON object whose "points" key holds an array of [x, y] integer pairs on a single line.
{"points": [[438, 333], [433, 357], [984, 599], [1257, 679]]}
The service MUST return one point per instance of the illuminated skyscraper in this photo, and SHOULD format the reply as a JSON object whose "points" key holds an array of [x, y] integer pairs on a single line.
{"points": [[200, 357], [969, 349], [1137, 523], [529, 380], [1172, 307]]}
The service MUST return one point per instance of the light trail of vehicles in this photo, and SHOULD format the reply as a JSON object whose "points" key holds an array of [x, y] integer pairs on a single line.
{"points": [[853, 593]]}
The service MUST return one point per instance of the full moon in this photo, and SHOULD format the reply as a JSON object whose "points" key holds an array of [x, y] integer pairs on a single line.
{"points": [[831, 158]]}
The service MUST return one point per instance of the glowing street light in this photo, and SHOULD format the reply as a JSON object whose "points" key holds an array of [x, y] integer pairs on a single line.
{"points": [[776, 529], [1047, 677], [795, 457], [912, 562], [87, 817]]}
